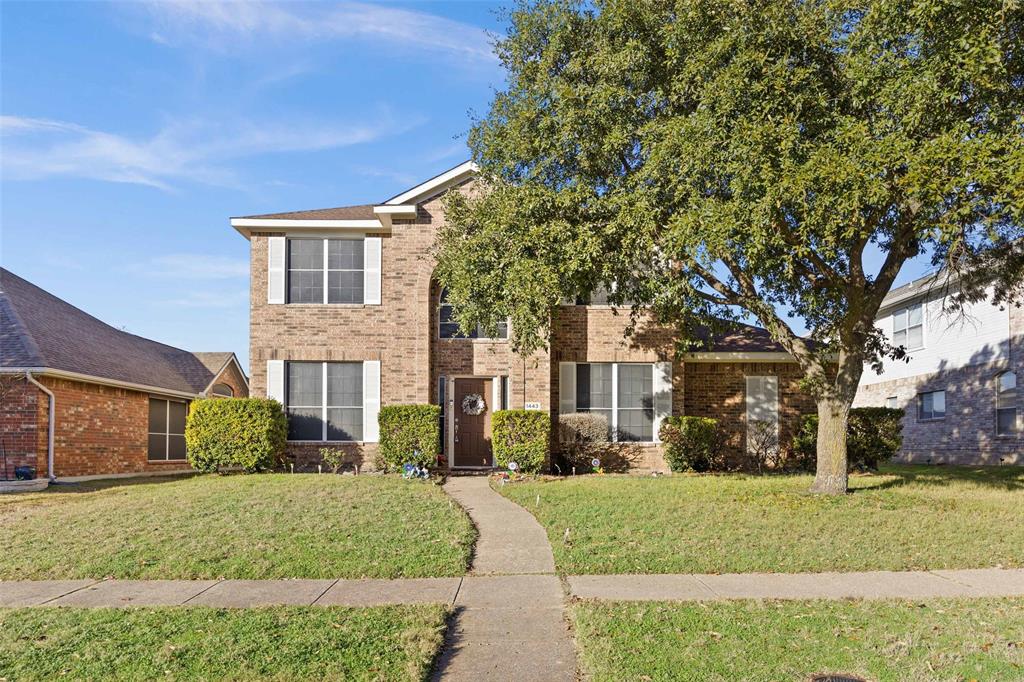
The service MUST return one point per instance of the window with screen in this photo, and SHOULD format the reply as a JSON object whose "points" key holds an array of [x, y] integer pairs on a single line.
{"points": [[166, 429]]}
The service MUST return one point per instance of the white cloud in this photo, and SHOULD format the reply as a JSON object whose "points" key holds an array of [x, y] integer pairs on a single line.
{"points": [[192, 151], [193, 266], [219, 25]]}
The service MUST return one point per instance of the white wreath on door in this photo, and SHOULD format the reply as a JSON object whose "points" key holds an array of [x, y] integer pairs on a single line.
{"points": [[473, 404]]}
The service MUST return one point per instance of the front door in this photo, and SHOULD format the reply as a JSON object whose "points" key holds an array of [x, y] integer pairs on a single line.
{"points": [[472, 431]]}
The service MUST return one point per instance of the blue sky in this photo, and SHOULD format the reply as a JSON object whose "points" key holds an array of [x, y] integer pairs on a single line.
{"points": [[133, 131]]}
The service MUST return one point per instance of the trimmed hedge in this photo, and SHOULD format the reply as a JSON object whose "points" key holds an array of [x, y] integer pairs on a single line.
{"points": [[521, 436], [873, 435], [691, 443], [406, 430], [246, 433]]}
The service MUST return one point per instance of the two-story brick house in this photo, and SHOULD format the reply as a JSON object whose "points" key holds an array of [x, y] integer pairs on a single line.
{"points": [[958, 386], [346, 316]]}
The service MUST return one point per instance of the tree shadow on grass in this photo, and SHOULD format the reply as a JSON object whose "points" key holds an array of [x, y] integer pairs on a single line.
{"points": [[1009, 479]]}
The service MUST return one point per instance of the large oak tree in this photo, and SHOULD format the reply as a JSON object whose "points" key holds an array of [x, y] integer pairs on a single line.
{"points": [[719, 160]]}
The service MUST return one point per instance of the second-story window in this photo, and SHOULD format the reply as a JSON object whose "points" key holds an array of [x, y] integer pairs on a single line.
{"points": [[448, 327], [325, 270], [908, 327]]}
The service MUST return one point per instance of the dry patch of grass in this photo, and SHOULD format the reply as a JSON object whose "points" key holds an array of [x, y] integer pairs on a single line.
{"points": [[196, 643], [259, 526], [906, 518], [769, 641]]}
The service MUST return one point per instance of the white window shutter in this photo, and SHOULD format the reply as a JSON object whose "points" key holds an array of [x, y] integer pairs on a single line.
{"points": [[371, 270], [275, 269], [762, 402], [275, 380], [662, 395], [371, 401], [495, 394], [566, 387]]}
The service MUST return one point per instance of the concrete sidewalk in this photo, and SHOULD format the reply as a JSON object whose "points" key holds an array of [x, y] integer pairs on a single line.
{"points": [[983, 582], [514, 592]]}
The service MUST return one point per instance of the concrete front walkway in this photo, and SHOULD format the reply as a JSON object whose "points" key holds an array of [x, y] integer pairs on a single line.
{"points": [[509, 620]]}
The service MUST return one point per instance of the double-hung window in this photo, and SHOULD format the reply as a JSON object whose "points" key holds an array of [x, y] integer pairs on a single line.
{"points": [[623, 394], [325, 401], [908, 327], [325, 270], [931, 405], [166, 430], [448, 327], [1006, 404]]}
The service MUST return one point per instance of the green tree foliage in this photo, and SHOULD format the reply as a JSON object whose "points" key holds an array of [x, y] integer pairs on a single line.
{"points": [[246, 433], [721, 160], [874, 436], [521, 436], [409, 434]]}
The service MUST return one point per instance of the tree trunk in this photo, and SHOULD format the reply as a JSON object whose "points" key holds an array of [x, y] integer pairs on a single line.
{"points": [[831, 477]]}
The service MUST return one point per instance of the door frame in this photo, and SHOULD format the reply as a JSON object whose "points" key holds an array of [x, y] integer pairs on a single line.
{"points": [[449, 415]]}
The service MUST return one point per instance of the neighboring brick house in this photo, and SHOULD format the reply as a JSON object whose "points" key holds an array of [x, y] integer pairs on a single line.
{"points": [[379, 332], [119, 400], [959, 386]]}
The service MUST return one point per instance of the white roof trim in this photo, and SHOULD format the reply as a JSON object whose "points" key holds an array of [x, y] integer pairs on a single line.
{"points": [[435, 184], [103, 381], [220, 371], [363, 224], [739, 356]]}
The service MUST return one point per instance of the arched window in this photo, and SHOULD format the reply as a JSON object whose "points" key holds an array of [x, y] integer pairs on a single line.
{"points": [[1006, 404], [223, 390]]}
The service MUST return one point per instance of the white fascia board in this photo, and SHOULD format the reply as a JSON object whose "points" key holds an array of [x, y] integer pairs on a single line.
{"points": [[102, 381], [398, 211], [737, 356], [365, 224], [435, 184]]}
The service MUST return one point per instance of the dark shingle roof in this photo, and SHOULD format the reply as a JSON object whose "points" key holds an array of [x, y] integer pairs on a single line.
{"points": [[361, 212], [739, 338], [37, 329]]}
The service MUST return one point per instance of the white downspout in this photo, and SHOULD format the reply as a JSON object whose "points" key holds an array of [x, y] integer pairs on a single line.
{"points": [[52, 416]]}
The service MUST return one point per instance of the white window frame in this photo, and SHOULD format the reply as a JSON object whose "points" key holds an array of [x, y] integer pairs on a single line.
{"points": [[614, 425], [323, 401], [166, 433], [905, 311], [920, 406], [325, 270], [892, 402]]}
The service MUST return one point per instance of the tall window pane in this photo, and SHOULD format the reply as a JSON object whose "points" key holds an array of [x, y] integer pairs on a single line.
{"points": [[344, 401], [931, 405], [636, 403], [908, 327], [1006, 404], [305, 401], [305, 270], [448, 328], [345, 271], [594, 390]]}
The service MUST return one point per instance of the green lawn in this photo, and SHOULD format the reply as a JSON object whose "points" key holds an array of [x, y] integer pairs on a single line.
{"points": [[382, 643], [903, 519], [980, 639], [257, 526]]}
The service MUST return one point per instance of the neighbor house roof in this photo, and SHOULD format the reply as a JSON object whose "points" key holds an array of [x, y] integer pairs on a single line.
{"points": [[40, 331]]}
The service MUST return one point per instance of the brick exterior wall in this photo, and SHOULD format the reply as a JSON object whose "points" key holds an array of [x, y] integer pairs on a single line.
{"points": [[20, 426], [967, 435], [718, 390]]}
